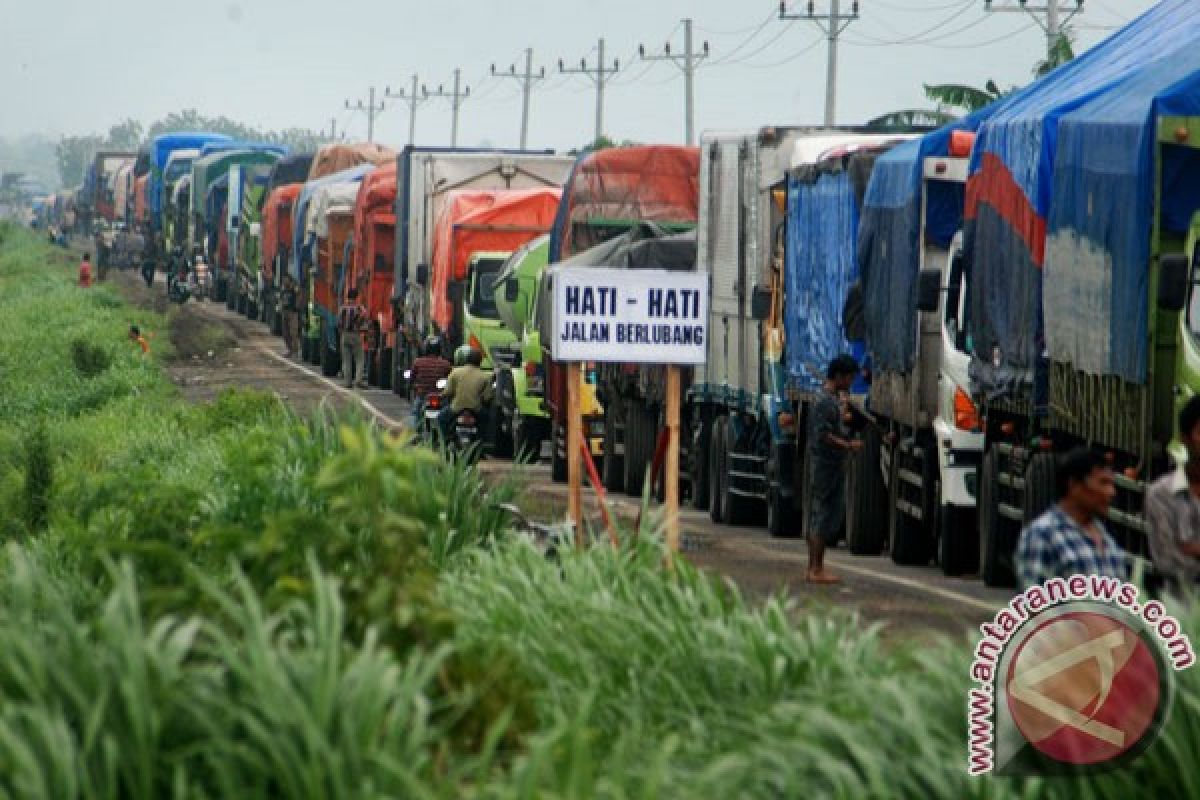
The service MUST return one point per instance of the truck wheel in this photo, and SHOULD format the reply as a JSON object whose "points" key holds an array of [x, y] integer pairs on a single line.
{"points": [[220, 287], [503, 427], [958, 540], [612, 471], [527, 444], [699, 466], [866, 498], [738, 509], [558, 459], [716, 468], [634, 466], [995, 564], [1039, 486], [780, 509], [912, 540]]}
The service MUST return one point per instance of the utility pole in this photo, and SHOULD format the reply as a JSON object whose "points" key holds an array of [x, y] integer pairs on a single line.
{"points": [[832, 26], [687, 62], [1052, 25], [599, 76], [413, 101], [456, 99], [333, 129], [526, 78], [371, 110]]}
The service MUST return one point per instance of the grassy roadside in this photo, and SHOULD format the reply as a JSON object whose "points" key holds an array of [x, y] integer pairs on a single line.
{"points": [[225, 600]]}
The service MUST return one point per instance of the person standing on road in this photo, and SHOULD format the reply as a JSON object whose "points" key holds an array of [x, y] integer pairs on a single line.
{"points": [[352, 322], [85, 271], [289, 302], [1069, 538], [1173, 509], [828, 443]]}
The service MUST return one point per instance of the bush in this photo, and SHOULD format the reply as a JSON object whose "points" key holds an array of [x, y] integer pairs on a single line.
{"points": [[89, 359], [39, 478]]}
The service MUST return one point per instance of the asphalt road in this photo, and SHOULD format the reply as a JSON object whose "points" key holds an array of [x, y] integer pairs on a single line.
{"points": [[216, 348]]}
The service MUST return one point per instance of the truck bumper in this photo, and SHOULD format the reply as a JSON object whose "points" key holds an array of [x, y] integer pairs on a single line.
{"points": [[959, 456]]}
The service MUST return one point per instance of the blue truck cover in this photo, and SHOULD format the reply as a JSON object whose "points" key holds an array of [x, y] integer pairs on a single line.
{"points": [[889, 240], [162, 148], [1061, 195], [354, 175], [824, 208]]}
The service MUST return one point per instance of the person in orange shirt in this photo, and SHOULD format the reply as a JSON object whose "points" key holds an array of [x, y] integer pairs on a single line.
{"points": [[85, 271], [135, 335]]}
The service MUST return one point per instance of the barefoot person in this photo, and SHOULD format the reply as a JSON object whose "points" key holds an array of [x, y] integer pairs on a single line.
{"points": [[828, 443]]}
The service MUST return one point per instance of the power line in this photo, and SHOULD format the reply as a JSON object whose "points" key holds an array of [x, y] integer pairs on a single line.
{"points": [[832, 26], [599, 76], [786, 60], [915, 38], [753, 35], [371, 110], [1053, 9], [941, 37], [414, 101], [456, 97], [526, 78], [687, 63]]}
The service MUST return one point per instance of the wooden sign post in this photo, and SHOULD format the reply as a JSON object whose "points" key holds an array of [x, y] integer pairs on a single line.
{"points": [[637, 316], [671, 476], [574, 434]]}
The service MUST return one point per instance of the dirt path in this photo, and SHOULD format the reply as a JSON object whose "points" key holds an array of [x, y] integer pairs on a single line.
{"points": [[216, 348]]}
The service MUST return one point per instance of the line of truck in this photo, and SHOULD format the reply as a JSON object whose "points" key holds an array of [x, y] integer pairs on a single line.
{"points": [[1014, 284]]}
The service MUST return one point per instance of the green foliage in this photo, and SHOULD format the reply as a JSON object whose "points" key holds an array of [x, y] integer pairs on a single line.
{"points": [[39, 478], [89, 358], [967, 98]]}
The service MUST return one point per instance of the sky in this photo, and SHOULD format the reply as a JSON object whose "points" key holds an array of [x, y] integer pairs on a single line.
{"points": [[77, 66]]}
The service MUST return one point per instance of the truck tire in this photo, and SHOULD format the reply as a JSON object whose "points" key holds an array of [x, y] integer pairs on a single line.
{"points": [[780, 508], [612, 471], [866, 498], [958, 540], [634, 466], [1039, 486], [995, 564], [698, 465], [739, 510], [527, 443], [716, 468], [911, 540], [220, 291], [505, 413], [558, 460]]}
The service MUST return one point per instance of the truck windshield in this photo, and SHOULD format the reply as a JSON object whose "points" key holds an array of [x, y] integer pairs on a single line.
{"points": [[958, 308], [482, 302]]}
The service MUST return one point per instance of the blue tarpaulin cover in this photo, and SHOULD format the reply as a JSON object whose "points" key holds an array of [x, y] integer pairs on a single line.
{"points": [[819, 267], [162, 148], [300, 209], [1060, 201], [889, 241]]}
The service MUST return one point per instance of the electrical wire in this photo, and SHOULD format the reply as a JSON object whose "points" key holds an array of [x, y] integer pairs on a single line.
{"points": [[786, 60], [916, 37], [783, 30], [754, 35], [873, 42]]}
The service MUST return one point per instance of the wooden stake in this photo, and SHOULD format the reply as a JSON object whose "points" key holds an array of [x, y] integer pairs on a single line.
{"points": [[574, 457], [672, 472]]}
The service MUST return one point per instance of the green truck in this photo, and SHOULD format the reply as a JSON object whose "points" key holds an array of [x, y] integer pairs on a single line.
{"points": [[523, 422]]}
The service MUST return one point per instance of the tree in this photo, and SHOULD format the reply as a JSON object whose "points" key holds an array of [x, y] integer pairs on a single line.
{"points": [[1062, 52], [967, 98], [73, 154], [125, 135]]}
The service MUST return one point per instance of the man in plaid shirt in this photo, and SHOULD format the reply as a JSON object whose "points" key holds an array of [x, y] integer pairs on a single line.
{"points": [[1070, 538]]}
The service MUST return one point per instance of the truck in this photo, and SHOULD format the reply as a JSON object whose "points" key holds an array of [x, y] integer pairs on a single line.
{"points": [[161, 177], [330, 224], [319, 343], [913, 486], [95, 200], [520, 377], [223, 161], [776, 234], [372, 264], [425, 177], [1079, 214], [288, 171], [276, 246], [474, 235], [608, 193]]}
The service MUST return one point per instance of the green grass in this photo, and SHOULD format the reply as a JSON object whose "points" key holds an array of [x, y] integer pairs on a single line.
{"points": [[226, 600]]}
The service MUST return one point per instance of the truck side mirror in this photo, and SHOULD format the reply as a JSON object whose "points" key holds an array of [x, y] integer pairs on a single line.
{"points": [[512, 288], [760, 303], [422, 274], [1172, 282], [929, 289]]}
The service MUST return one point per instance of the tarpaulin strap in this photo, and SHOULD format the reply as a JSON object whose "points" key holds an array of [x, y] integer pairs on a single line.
{"points": [[598, 488]]}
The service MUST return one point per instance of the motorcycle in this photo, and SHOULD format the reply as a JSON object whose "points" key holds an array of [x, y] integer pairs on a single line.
{"points": [[428, 409]]}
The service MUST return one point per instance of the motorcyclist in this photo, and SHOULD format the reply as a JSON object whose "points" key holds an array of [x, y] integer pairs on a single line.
{"points": [[429, 368], [469, 388]]}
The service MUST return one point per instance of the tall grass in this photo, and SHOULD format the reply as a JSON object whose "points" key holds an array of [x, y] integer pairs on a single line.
{"points": [[227, 600]]}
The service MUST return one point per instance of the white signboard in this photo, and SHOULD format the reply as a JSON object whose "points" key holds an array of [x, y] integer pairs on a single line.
{"points": [[630, 315]]}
